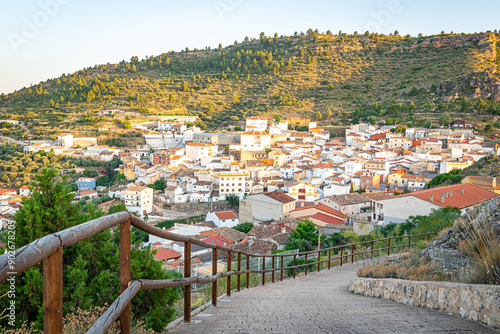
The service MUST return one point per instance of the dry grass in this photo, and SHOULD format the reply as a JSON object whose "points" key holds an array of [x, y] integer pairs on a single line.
{"points": [[410, 266], [481, 243], [80, 322]]}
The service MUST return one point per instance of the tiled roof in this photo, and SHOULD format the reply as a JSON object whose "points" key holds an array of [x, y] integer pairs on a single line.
{"points": [[327, 219], [230, 233], [349, 199], [215, 240], [279, 196], [486, 182], [226, 215], [471, 195], [166, 254], [322, 207]]}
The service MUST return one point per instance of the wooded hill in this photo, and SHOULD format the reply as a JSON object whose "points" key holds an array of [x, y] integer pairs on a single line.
{"points": [[353, 77]]}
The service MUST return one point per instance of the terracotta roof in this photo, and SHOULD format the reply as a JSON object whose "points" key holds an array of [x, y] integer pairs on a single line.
{"points": [[322, 207], [87, 192], [226, 215], [215, 240], [200, 144], [327, 219], [166, 254], [471, 195], [280, 196]]}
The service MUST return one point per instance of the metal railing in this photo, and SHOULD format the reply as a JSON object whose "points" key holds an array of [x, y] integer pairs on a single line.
{"points": [[49, 249]]}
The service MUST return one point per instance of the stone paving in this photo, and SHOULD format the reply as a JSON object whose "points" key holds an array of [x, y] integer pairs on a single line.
{"points": [[320, 303]]}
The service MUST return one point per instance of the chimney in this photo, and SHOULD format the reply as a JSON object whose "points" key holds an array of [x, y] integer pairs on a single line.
{"points": [[462, 190], [494, 182], [445, 194], [451, 193], [432, 198], [442, 198]]}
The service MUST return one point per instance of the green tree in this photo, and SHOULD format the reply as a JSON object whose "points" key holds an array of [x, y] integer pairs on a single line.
{"points": [[487, 129], [277, 118], [318, 115], [329, 113], [304, 237], [480, 105], [90, 267], [127, 125], [233, 200], [244, 227]]}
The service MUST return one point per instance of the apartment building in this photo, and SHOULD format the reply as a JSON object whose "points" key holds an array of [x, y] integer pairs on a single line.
{"points": [[138, 199], [197, 151]]}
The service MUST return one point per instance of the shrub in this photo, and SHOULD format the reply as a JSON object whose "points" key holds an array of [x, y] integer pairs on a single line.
{"points": [[410, 266], [481, 243]]}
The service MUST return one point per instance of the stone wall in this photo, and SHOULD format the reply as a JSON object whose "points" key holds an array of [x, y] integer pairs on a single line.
{"points": [[470, 301], [192, 209]]}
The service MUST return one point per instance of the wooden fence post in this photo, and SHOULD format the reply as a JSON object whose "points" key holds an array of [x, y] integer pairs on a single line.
{"points": [[238, 277], [53, 292], [341, 255], [263, 268], [214, 272], [319, 259], [248, 274], [282, 257], [294, 261], [187, 288], [352, 254], [372, 251], [228, 287], [272, 267], [329, 258], [389, 247], [306, 264], [409, 242], [125, 272]]}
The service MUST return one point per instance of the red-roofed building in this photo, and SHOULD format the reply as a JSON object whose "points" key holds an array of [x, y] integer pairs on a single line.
{"points": [[421, 203], [311, 210], [225, 218], [164, 254], [321, 219], [216, 240]]}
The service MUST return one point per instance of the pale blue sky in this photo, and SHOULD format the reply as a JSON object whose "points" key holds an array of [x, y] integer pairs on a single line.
{"points": [[42, 39]]}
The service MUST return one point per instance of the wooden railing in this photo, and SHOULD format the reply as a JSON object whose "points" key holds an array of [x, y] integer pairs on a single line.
{"points": [[49, 250]]}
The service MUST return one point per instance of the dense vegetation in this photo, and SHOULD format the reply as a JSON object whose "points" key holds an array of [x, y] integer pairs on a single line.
{"points": [[335, 78], [90, 267], [17, 168]]}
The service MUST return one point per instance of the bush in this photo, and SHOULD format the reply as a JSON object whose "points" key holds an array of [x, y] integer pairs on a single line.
{"points": [[482, 244], [411, 266]]}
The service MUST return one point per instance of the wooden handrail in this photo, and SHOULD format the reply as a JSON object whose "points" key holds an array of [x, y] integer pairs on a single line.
{"points": [[41, 249]]}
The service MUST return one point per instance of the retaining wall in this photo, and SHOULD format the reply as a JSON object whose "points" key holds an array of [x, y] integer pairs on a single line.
{"points": [[470, 301]]}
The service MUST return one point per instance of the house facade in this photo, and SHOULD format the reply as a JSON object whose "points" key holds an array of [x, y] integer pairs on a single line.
{"points": [[138, 199]]}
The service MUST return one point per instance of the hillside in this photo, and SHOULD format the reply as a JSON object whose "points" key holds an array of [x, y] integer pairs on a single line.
{"points": [[354, 76]]}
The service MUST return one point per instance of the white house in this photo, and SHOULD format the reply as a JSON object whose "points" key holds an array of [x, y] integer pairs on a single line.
{"points": [[397, 209], [255, 141], [65, 139], [221, 219], [255, 124], [197, 151], [139, 199]]}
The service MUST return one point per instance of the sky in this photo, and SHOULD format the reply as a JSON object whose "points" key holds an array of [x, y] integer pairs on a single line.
{"points": [[42, 39]]}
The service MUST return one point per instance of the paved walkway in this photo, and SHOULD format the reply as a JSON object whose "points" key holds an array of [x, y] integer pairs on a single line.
{"points": [[321, 303]]}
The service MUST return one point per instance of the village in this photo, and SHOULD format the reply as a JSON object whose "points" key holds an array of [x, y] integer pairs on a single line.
{"points": [[274, 176]]}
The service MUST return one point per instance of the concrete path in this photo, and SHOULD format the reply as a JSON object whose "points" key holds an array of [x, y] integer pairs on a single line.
{"points": [[321, 303]]}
